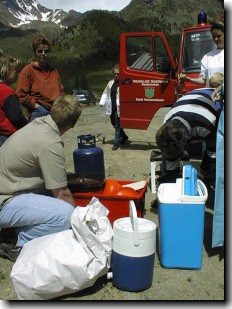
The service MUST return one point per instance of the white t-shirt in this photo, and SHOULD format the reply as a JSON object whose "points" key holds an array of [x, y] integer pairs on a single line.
{"points": [[211, 63]]}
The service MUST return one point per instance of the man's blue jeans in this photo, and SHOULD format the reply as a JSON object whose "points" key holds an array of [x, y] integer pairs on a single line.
{"points": [[119, 132], [39, 112], [35, 215], [3, 138]]}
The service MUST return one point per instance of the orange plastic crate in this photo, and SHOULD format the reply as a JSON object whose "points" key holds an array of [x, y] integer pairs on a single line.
{"points": [[117, 205]]}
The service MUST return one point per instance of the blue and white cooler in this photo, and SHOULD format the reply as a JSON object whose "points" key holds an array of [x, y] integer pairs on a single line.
{"points": [[181, 209], [133, 254]]}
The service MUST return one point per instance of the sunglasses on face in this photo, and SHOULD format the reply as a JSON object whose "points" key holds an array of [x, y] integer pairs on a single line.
{"points": [[116, 73], [40, 51]]}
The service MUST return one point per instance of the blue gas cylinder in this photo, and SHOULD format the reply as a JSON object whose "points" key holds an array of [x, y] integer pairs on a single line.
{"points": [[88, 158]]}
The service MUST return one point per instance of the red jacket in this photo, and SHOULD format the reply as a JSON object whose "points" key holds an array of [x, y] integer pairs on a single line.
{"points": [[36, 86], [11, 115]]}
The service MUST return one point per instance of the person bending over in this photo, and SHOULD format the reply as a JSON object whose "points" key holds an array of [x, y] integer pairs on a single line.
{"points": [[193, 116]]}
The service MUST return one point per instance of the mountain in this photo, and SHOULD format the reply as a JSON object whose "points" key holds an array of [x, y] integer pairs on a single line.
{"points": [[96, 32], [16, 13], [169, 16], [90, 41], [150, 14]]}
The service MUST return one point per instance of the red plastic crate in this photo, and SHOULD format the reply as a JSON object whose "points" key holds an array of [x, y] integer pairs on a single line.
{"points": [[117, 205]]}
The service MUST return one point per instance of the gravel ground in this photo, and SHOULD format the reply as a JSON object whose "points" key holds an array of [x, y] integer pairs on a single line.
{"points": [[132, 162]]}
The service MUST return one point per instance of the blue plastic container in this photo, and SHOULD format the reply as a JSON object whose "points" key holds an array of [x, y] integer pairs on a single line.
{"points": [[181, 221], [132, 273], [88, 159]]}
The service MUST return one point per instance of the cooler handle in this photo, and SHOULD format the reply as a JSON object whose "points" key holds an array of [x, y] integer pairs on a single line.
{"points": [[134, 222]]}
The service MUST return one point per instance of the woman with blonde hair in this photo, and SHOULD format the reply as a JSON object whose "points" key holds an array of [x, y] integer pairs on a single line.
{"points": [[11, 115]]}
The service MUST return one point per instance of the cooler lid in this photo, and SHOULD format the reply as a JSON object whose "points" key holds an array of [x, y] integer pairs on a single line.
{"points": [[202, 194], [189, 180], [123, 227], [172, 193]]}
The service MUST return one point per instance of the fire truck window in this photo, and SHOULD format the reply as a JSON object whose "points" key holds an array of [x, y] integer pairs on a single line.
{"points": [[162, 59], [139, 53], [196, 45]]}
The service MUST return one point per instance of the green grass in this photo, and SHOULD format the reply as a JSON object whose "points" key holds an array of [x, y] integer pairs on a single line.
{"points": [[2, 276], [98, 81], [94, 75]]}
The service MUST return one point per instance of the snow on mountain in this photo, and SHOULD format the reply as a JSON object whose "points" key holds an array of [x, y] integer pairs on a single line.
{"points": [[15, 13]]}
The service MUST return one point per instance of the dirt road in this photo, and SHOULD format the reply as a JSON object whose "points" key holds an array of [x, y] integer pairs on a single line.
{"points": [[132, 162]]}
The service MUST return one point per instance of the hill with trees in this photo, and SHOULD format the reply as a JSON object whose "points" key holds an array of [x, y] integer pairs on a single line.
{"points": [[92, 44]]}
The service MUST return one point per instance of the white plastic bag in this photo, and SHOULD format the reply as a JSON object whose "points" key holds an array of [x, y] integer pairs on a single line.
{"points": [[68, 261]]}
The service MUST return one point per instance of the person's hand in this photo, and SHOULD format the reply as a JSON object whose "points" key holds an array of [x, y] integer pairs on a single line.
{"points": [[182, 77], [215, 96], [36, 105], [181, 82]]}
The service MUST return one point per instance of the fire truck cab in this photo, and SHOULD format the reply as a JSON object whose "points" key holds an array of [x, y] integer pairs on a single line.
{"points": [[148, 71]]}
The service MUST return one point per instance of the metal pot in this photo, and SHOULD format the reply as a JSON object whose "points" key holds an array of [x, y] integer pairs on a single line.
{"points": [[84, 182]]}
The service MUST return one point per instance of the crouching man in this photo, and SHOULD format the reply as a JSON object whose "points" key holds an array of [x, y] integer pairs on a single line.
{"points": [[34, 197]]}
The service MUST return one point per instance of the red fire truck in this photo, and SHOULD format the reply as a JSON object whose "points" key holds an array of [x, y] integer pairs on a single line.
{"points": [[148, 72]]}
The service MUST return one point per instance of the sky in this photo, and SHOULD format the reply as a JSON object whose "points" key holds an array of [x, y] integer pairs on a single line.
{"points": [[85, 5]]}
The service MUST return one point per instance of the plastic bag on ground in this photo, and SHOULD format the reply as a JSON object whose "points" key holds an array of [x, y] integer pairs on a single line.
{"points": [[68, 261]]}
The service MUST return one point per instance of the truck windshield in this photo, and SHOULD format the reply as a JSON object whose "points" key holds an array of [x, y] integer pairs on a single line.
{"points": [[196, 45]]}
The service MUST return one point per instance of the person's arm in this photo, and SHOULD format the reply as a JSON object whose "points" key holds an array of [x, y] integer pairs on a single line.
{"points": [[60, 83], [51, 160], [105, 95], [103, 99], [201, 80], [64, 194], [183, 77], [14, 112], [23, 90]]}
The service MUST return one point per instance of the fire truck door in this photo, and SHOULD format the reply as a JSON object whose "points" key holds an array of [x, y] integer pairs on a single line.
{"points": [[147, 77]]}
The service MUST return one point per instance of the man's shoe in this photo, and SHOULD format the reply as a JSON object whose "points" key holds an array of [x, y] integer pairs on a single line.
{"points": [[115, 147], [8, 235], [124, 139], [10, 251]]}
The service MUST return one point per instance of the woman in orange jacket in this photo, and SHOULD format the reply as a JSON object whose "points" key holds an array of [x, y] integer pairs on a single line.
{"points": [[39, 83]]}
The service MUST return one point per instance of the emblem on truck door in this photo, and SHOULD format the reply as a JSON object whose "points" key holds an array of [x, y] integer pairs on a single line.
{"points": [[149, 92]]}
